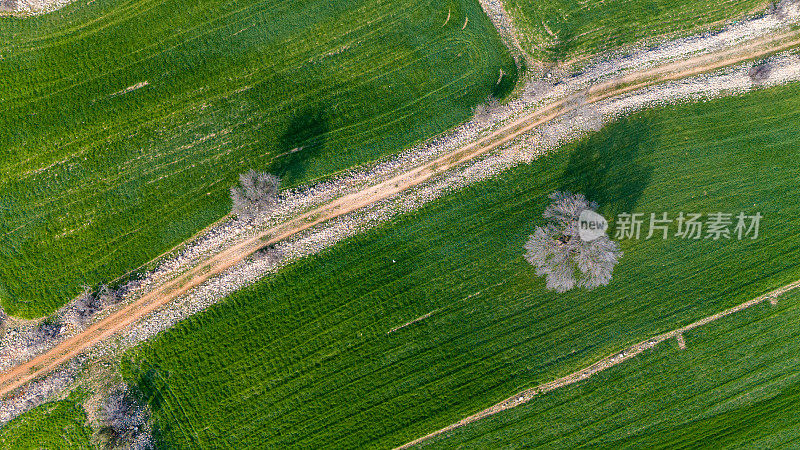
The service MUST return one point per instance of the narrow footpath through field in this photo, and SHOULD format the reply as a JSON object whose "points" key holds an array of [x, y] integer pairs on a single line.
{"points": [[525, 396]]}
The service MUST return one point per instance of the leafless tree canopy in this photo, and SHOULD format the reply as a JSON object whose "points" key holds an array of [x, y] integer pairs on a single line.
{"points": [[8, 5], [558, 252], [760, 72], [46, 331], [107, 296], [126, 420], [269, 254], [256, 194], [126, 289], [483, 112], [90, 303], [535, 89], [784, 8], [87, 305]]}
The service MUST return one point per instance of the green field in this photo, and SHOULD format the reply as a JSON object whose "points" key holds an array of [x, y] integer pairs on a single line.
{"points": [[56, 425], [306, 357], [123, 123], [560, 30], [737, 385]]}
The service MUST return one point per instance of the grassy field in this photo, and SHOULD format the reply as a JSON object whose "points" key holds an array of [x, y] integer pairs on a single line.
{"points": [[737, 385], [55, 425], [559, 30], [123, 123], [317, 355]]}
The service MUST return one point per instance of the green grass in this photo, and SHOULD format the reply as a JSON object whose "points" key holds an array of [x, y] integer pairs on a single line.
{"points": [[737, 385], [55, 425], [304, 358], [559, 30], [94, 185]]}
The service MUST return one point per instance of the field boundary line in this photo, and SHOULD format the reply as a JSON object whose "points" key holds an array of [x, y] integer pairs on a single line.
{"points": [[527, 395]]}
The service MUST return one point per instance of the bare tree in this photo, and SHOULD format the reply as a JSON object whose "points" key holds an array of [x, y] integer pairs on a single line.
{"points": [[271, 255], [127, 288], [86, 306], [535, 90], [46, 331], [3, 318], [785, 9], [559, 253], [107, 296], [125, 420], [142, 441], [483, 113], [760, 72], [256, 194], [8, 5]]}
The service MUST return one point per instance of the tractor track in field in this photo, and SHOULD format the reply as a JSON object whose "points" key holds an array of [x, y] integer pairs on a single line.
{"points": [[212, 266], [526, 395]]}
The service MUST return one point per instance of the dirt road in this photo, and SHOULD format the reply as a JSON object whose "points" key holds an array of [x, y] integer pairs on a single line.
{"points": [[215, 265]]}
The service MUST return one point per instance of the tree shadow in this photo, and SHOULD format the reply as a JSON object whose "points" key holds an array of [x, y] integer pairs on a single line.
{"points": [[149, 383], [606, 168], [303, 141], [506, 83]]}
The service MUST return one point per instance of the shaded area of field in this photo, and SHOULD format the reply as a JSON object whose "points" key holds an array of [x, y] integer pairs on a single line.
{"points": [[560, 30], [59, 424], [737, 384], [608, 169], [306, 357], [134, 117]]}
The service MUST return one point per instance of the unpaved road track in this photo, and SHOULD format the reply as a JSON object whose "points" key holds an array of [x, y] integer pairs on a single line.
{"points": [[124, 317], [605, 363]]}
